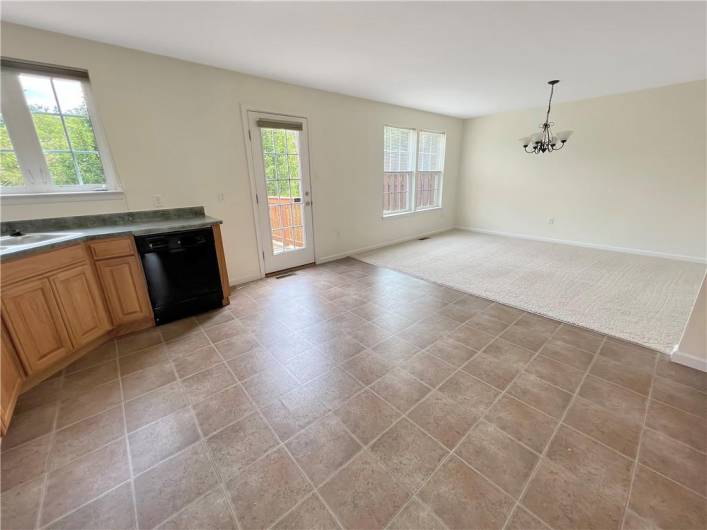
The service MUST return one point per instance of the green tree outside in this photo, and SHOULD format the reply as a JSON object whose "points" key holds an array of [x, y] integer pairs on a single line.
{"points": [[65, 162], [10, 174], [282, 164]]}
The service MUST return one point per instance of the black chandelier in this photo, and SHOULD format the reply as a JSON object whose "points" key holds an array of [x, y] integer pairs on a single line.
{"points": [[545, 141]]}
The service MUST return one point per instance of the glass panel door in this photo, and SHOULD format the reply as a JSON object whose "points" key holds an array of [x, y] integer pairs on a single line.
{"points": [[281, 162]]}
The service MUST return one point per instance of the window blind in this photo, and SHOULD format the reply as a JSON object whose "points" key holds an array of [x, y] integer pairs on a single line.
{"points": [[278, 124], [31, 67], [399, 149]]}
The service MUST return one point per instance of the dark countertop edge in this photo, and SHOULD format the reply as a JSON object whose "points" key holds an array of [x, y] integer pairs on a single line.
{"points": [[104, 232]]}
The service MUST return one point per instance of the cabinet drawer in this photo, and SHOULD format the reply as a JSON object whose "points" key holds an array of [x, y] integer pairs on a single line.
{"points": [[27, 267], [112, 248]]}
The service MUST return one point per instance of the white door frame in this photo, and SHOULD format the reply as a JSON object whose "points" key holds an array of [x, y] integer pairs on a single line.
{"points": [[247, 140]]}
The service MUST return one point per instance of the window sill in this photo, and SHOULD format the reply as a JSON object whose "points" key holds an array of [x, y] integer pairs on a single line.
{"points": [[413, 212], [61, 196]]}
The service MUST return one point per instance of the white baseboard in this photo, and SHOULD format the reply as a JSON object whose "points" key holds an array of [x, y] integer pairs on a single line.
{"points": [[625, 250], [239, 280], [332, 257], [689, 360]]}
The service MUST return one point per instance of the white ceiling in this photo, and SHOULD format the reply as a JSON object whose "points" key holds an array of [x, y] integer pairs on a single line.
{"points": [[462, 59]]}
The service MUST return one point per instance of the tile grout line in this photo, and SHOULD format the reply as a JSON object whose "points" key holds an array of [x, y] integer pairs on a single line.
{"points": [[337, 365], [73, 510], [90, 416], [299, 503], [294, 460], [364, 386], [457, 369], [680, 484], [178, 380], [189, 405], [48, 458], [84, 504], [689, 387], [404, 414], [636, 461], [665, 404], [255, 410], [560, 422], [191, 503], [675, 440], [202, 439], [452, 453], [556, 418], [340, 366], [127, 446], [277, 447], [365, 446], [449, 452], [331, 411], [314, 488], [137, 351]]}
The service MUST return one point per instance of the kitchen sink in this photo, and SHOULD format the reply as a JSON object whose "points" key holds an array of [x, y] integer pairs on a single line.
{"points": [[26, 240]]}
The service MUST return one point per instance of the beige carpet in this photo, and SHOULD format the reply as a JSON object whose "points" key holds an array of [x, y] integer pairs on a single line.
{"points": [[638, 298]]}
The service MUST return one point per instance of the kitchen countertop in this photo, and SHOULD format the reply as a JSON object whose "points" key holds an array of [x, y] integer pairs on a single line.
{"points": [[87, 227]]}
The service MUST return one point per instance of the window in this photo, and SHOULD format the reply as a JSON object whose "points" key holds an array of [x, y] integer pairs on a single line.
{"points": [[398, 169], [50, 141], [430, 163], [412, 170], [283, 180]]}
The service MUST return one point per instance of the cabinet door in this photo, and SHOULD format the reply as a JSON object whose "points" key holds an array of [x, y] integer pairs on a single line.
{"points": [[124, 286], [35, 324], [11, 378], [81, 304]]}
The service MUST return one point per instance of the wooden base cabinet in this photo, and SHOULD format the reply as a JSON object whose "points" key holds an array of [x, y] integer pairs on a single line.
{"points": [[52, 305], [60, 304], [35, 323], [81, 304], [123, 281], [11, 380]]}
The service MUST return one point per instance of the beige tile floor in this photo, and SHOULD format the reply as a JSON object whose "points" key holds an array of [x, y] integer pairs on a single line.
{"points": [[353, 396]]}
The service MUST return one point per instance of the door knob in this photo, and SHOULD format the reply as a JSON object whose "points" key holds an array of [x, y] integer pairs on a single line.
{"points": [[308, 203]]}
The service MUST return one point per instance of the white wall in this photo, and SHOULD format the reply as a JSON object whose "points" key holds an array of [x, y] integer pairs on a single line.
{"points": [[632, 176], [174, 128], [692, 350]]}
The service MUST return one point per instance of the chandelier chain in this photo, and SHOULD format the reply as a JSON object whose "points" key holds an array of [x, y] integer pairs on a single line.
{"points": [[549, 104]]}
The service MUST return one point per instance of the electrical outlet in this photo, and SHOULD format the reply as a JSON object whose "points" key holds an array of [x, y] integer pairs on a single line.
{"points": [[551, 220], [219, 196], [157, 201]]}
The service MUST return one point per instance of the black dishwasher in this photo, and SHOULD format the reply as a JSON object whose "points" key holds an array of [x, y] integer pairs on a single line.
{"points": [[182, 273]]}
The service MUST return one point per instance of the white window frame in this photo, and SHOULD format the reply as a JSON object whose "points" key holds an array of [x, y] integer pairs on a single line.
{"points": [[409, 175], [30, 156], [412, 208]]}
